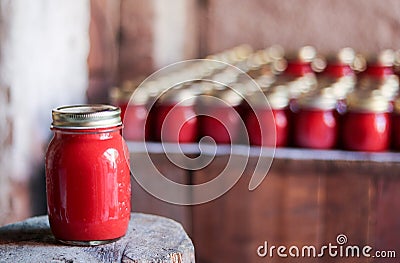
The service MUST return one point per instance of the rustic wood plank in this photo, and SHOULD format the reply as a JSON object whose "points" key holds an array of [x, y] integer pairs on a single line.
{"points": [[103, 57], [387, 213], [283, 210], [149, 239], [136, 39], [144, 202], [329, 25]]}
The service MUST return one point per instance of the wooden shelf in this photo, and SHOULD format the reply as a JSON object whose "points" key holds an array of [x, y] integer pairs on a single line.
{"points": [[279, 153]]}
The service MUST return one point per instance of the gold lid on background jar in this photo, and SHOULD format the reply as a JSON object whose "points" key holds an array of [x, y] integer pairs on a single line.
{"points": [[340, 87], [322, 99], [178, 95], [385, 58], [86, 116], [124, 93], [397, 105], [345, 56], [277, 97], [219, 91], [304, 54], [298, 85], [367, 101], [388, 86]]}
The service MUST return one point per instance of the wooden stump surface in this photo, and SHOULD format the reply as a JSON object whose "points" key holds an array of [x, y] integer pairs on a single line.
{"points": [[149, 239]]}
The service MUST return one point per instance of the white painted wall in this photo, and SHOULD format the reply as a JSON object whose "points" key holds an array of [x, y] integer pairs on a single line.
{"points": [[44, 46]]}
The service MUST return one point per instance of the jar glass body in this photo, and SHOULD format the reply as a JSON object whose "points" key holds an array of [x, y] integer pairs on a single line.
{"points": [[396, 131], [378, 71], [268, 119], [338, 70], [298, 68], [366, 131], [175, 123], [222, 123], [134, 118], [88, 185], [316, 128]]}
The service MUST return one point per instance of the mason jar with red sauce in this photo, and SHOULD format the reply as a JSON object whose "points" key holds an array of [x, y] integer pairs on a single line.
{"points": [[316, 122], [299, 63], [339, 65], [396, 125], [268, 125], [174, 116], [366, 125], [133, 104], [380, 65], [219, 114], [87, 175]]}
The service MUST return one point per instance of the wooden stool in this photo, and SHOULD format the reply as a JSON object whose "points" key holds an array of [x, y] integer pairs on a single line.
{"points": [[149, 239]]}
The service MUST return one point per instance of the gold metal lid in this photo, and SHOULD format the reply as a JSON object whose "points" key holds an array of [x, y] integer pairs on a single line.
{"points": [[319, 63], [367, 101], [124, 93], [277, 96], [397, 105], [226, 94], [86, 116], [345, 56], [385, 58], [360, 63], [304, 54], [299, 85], [183, 96], [388, 86], [340, 87], [323, 99]]}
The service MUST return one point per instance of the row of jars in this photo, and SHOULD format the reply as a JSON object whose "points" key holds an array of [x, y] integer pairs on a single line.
{"points": [[342, 101]]}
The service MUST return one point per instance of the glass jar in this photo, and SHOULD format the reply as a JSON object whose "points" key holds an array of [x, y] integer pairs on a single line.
{"points": [[133, 104], [268, 124], [316, 122], [381, 65], [340, 65], [299, 64], [87, 175], [219, 112], [174, 117], [366, 125], [396, 125]]}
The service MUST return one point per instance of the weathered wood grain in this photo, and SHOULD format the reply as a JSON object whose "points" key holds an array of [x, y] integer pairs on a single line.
{"points": [[367, 26], [103, 57], [144, 202], [149, 239]]}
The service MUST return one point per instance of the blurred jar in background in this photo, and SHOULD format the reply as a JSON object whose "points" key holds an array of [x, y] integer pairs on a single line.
{"points": [[299, 78], [133, 104], [380, 65], [339, 65], [219, 114], [175, 119], [396, 125], [268, 124], [316, 122], [299, 63], [366, 125]]}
